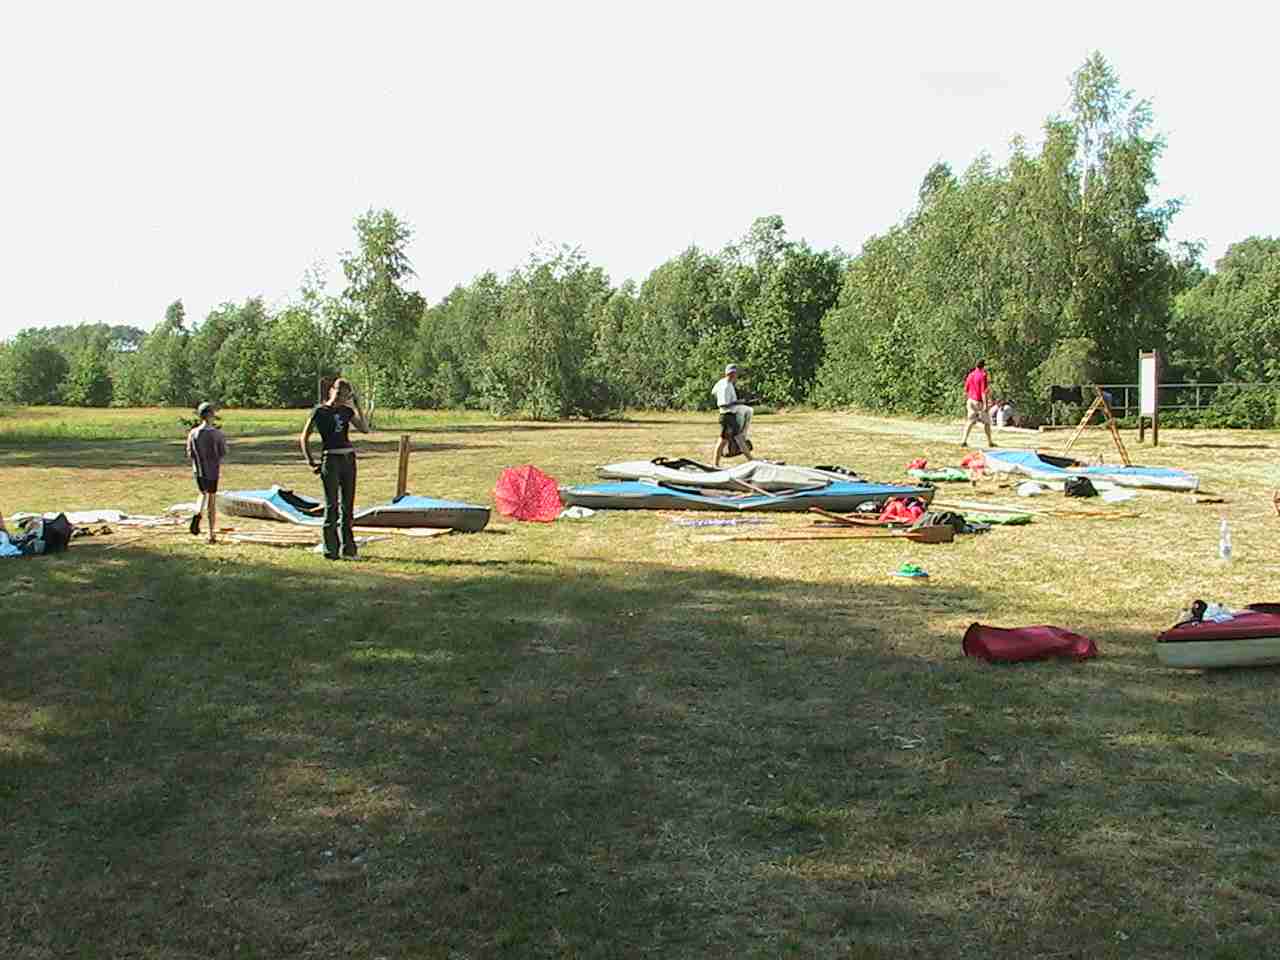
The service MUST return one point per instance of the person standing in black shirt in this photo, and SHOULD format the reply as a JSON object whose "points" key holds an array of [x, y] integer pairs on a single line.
{"points": [[337, 467]]}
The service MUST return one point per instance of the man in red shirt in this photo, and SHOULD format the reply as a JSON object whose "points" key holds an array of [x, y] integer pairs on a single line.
{"points": [[977, 390]]}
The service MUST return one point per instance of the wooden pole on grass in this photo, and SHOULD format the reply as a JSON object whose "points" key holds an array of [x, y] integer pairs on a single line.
{"points": [[402, 476], [938, 534]]}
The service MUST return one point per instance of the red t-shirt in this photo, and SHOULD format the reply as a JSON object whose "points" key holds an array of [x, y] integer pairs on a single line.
{"points": [[975, 384]]}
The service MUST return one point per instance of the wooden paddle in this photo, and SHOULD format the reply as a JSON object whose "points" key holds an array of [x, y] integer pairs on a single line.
{"points": [[938, 534], [850, 521], [971, 506], [754, 489]]}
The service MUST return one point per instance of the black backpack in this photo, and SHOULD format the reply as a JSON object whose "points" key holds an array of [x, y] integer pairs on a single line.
{"points": [[942, 518], [44, 536], [1079, 487]]}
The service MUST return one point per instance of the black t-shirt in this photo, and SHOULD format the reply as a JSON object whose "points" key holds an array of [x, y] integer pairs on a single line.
{"points": [[331, 423]]}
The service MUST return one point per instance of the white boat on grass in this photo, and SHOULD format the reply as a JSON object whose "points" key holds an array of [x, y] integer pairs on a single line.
{"points": [[761, 474], [1250, 639]]}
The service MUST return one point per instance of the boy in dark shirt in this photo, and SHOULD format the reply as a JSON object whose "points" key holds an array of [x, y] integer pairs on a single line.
{"points": [[206, 447], [337, 467]]}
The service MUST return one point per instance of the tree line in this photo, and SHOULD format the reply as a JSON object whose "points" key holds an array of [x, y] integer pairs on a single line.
{"points": [[1056, 267]]}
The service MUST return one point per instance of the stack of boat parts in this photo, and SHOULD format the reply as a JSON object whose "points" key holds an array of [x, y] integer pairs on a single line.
{"points": [[663, 484], [406, 511]]}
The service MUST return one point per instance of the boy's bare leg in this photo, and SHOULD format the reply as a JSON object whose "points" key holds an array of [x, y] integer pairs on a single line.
{"points": [[211, 511], [720, 445]]}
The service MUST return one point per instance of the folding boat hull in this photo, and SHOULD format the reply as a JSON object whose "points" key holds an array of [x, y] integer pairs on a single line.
{"points": [[1030, 464], [759, 473], [839, 497], [408, 511]]}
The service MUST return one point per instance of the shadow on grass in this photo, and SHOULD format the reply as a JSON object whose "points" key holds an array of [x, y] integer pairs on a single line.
{"points": [[130, 454], [451, 562], [525, 426], [534, 757], [62, 433], [1223, 446]]}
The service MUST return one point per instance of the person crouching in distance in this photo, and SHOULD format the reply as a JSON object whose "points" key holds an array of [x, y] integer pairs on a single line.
{"points": [[735, 418], [337, 467]]}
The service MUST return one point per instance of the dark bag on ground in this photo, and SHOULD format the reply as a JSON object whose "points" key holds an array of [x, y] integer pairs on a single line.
{"points": [[44, 536], [1079, 487], [1010, 645], [942, 518]]}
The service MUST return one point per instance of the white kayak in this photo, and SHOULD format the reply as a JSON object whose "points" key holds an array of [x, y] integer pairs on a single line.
{"points": [[761, 474]]}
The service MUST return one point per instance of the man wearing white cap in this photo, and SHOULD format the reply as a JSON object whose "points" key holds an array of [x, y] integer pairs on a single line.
{"points": [[735, 418]]}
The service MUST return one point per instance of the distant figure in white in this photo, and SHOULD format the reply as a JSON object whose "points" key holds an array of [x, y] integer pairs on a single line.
{"points": [[735, 418], [1001, 413]]}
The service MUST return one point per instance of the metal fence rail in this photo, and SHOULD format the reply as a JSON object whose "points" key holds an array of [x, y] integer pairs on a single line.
{"points": [[1172, 396]]}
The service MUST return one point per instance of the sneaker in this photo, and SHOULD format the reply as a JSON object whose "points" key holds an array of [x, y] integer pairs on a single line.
{"points": [[194, 526]]}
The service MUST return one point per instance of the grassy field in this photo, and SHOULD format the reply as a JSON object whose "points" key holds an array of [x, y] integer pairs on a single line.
{"points": [[610, 738]]}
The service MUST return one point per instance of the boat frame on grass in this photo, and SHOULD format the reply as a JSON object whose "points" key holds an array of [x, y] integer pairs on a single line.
{"points": [[755, 474], [1049, 468], [836, 496], [287, 506]]}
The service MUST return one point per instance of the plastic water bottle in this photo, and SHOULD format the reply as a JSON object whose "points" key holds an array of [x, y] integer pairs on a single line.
{"points": [[1224, 542]]}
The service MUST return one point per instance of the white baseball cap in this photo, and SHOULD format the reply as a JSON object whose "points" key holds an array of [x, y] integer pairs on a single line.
{"points": [[731, 368]]}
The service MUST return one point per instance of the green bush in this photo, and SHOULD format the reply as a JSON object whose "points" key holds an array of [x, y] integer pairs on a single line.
{"points": [[1249, 408]]}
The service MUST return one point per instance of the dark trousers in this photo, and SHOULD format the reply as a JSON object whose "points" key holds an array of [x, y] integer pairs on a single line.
{"points": [[338, 473]]}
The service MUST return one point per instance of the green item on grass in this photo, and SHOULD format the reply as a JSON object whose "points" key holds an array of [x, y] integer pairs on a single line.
{"points": [[910, 570], [940, 474], [1000, 519]]}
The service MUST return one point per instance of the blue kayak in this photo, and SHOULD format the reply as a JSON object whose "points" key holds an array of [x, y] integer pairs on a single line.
{"points": [[1037, 467], [837, 497]]}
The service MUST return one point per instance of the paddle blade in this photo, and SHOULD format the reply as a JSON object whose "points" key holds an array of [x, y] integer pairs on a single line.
{"points": [[942, 533]]}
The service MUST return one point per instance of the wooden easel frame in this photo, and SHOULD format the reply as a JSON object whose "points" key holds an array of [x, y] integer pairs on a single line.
{"points": [[1100, 403]]}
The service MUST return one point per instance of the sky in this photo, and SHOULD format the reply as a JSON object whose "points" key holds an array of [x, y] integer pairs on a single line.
{"points": [[214, 152]]}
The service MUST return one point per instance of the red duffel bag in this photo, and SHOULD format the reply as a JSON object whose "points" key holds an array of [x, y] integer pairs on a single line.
{"points": [[1009, 645]]}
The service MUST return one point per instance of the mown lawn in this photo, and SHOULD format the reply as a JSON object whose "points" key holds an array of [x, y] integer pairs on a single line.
{"points": [[611, 738]]}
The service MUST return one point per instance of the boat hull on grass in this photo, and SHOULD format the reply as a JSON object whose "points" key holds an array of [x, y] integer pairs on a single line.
{"points": [[276, 503], [758, 473], [1252, 639], [1031, 464], [411, 511], [407, 511], [837, 497]]}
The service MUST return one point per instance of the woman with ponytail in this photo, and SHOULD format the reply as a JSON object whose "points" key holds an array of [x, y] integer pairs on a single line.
{"points": [[337, 466]]}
